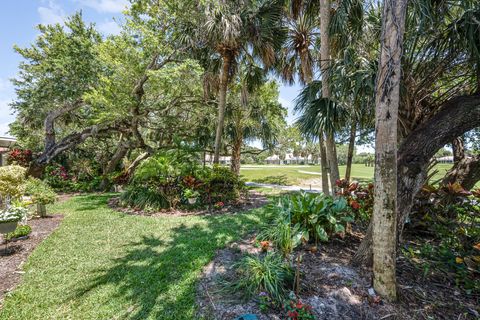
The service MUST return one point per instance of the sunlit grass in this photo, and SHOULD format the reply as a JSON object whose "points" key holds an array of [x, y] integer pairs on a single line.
{"points": [[101, 264], [298, 174]]}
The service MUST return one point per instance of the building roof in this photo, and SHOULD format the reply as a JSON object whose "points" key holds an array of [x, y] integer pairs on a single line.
{"points": [[6, 142]]}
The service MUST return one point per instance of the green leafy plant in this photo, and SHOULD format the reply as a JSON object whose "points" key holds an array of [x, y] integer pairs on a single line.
{"points": [[285, 236], [12, 181], [315, 215], [13, 214], [20, 231], [267, 273], [297, 310], [190, 193], [39, 191]]}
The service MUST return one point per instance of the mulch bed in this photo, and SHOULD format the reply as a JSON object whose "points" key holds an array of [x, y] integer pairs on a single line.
{"points": [[253, 201], [336, 289], [11, 261]]}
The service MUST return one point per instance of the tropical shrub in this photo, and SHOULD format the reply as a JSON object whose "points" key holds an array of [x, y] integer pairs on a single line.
{"points": [[316, 216], [164, 180], [20, 157], [57, 177], [12, 181], [20, 231], [267, 273], [359, 198], [39, 191]]}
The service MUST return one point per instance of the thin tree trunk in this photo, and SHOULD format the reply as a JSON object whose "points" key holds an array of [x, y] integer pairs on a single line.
{"points": [[458, 148], [466, 172], [386, 122], [351, 149], [332, 161], [331, 151], [323, 165], [222, 101], [236, 152], [119, 154]]}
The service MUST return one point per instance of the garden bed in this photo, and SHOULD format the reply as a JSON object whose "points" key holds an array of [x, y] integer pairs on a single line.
{"points": [[253, 201], [335, 289], [12, 259]]}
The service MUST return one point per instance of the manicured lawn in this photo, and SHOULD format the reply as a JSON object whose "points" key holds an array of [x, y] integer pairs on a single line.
{"points": [[101, 264], [298, 174]]}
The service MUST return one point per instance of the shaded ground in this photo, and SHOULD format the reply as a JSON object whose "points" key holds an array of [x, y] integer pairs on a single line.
{"points": [[337, 290], [12, 259], [253, 201]]}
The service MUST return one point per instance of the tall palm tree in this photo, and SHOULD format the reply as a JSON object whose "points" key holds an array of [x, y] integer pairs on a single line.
{"points": [[236, 28]]}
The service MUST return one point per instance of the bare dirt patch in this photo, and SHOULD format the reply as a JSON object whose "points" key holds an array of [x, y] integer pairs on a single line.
{"points": [[336, 289], [12, 259]]}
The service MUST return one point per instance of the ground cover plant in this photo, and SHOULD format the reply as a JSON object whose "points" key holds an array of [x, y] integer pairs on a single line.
{"points": [[120, 265]]}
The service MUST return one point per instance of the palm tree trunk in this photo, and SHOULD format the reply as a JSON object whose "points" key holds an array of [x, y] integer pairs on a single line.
{"points": [[323, 165], [351, 149], [386, 120], [222, 100], [325, 66], [236, 152], [332, 161]]}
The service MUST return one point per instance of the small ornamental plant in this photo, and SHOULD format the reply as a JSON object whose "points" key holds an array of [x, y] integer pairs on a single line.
{"points": [[297, 310], [20, 157], [264, 301], [190, 193], [219, 205], [13, 214]]}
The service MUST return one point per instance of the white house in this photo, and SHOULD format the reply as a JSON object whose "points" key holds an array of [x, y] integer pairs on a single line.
{"points": [[5, 144]]}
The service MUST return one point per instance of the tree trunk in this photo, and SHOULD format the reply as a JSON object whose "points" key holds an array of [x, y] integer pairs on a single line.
{"points": [[331, 151], [466, 172], [351, 149], [332, 161], [384, 227], [119, 154], [323, 164], [222, 101], [236, 152], [456, 117], [458, 148]]}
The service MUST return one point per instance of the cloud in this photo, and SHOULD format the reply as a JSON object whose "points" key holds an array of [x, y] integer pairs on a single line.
{"points": [[109, 28], [114, 6], [51, 14]]}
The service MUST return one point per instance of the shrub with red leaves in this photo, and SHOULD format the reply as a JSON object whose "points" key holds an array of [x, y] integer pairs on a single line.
{"points": [[21, 157]]}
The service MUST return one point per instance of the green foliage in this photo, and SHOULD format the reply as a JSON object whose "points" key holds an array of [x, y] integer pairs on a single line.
{"points": [[265, 273], [283, 235], [39, 191], [163, 180], [317, 216], [295, 309], [20, 231], [189, 193], [12, 181], [12, 214]]}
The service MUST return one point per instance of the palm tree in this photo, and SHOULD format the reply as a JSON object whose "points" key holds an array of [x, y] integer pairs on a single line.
{"points": [[253, 112], [237, 28]]}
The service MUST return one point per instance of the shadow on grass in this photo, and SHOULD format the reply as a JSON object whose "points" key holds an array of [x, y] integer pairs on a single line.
{"points": [[92, 201], [158, 277]]}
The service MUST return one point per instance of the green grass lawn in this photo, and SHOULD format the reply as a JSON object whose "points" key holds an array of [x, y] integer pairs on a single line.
{"points": [[298, 174], [102, 264]]}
